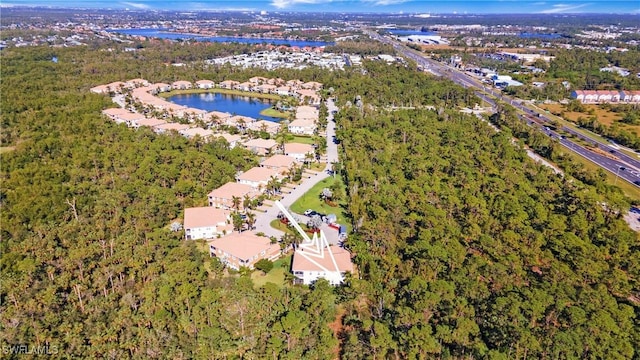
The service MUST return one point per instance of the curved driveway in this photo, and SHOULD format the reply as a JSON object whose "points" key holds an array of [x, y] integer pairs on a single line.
{"points": [[263, 219]]}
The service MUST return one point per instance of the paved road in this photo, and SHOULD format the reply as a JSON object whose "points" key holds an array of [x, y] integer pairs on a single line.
{"points": [[264, 219], [627, 168]]}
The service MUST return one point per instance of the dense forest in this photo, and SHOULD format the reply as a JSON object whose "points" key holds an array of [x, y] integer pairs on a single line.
{"points": [[465, 248], [468, 249]]}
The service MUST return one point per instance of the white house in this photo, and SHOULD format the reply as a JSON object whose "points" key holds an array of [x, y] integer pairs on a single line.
{"points": [[308, 268], [282, 163], [261, 146], [233, 140], [264, 125], [205, 84], [228, 84], [151, 122], [223, 196], [206, 223], [191, 133], [168, 127], [115, 113], [181, 85], [134, 83], [302, 127], [258, 177], [299, 151], [243, 249]]}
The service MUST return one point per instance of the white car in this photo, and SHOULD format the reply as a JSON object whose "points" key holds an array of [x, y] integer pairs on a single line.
{"points": [[308, 212]]}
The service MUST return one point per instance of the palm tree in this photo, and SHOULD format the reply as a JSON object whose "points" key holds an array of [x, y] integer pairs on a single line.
{"points": [[247, 203], [286, 240], [235, 202], [251, 220], [273, 185], [237, 221]]}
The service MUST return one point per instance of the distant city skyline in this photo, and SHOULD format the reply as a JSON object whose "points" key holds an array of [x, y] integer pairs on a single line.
{"points": [[355, 6]]}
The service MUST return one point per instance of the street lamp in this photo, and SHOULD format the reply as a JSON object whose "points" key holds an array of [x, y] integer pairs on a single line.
{"points": [[617, 172]]}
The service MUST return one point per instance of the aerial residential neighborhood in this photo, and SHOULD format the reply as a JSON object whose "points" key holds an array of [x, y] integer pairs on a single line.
{"points": [[320, 179]]}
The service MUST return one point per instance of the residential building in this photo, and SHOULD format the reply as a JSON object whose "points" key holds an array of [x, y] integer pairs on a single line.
{"points": [[284, 91], [257, 80], [135, 83], [193, 114], [605, 96], [243, 249], [312, 85], [308, 267], [151, 122], [298, 151], [205, 84], [261, 147], [160, 87], [181, 85], [115, 87], [245, 86], [302, 127], [129, 118], [217, 117], [306, 112], [115, 113], [631, 96], [223, 196], [258, 177], [197, 131], [268, 126], [228, 84], [233, 140], [265, 88], [239, 121], [206, 223], [161, 129], [282, 163]]}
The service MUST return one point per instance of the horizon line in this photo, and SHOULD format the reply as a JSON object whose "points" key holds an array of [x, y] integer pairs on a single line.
{"points": [[8, 6]]}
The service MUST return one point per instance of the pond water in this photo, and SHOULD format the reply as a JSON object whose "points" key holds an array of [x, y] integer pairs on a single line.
{"points": [[166, 34], [232, 104], [526, 35], [404, 32]]}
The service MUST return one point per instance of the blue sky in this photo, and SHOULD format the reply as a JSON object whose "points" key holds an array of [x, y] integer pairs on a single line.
{"points": [[386, 6]]}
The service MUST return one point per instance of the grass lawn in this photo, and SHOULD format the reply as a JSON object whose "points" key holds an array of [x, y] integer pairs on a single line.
{"points": [[310, 140], [276, 275], [274, 113], [317, 166], [276, 224], [311, 200], [6, 149]]}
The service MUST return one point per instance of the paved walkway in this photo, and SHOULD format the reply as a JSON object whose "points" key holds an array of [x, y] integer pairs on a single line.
{"points": [[263, 219]]}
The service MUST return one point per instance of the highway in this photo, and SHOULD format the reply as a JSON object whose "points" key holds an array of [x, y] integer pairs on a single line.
{"points": [[625, 167]]}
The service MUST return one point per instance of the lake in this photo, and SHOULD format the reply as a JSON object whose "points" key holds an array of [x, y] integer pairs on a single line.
{"points": [[404, 32], [165, 34], [232, 104], [525, 35]]}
